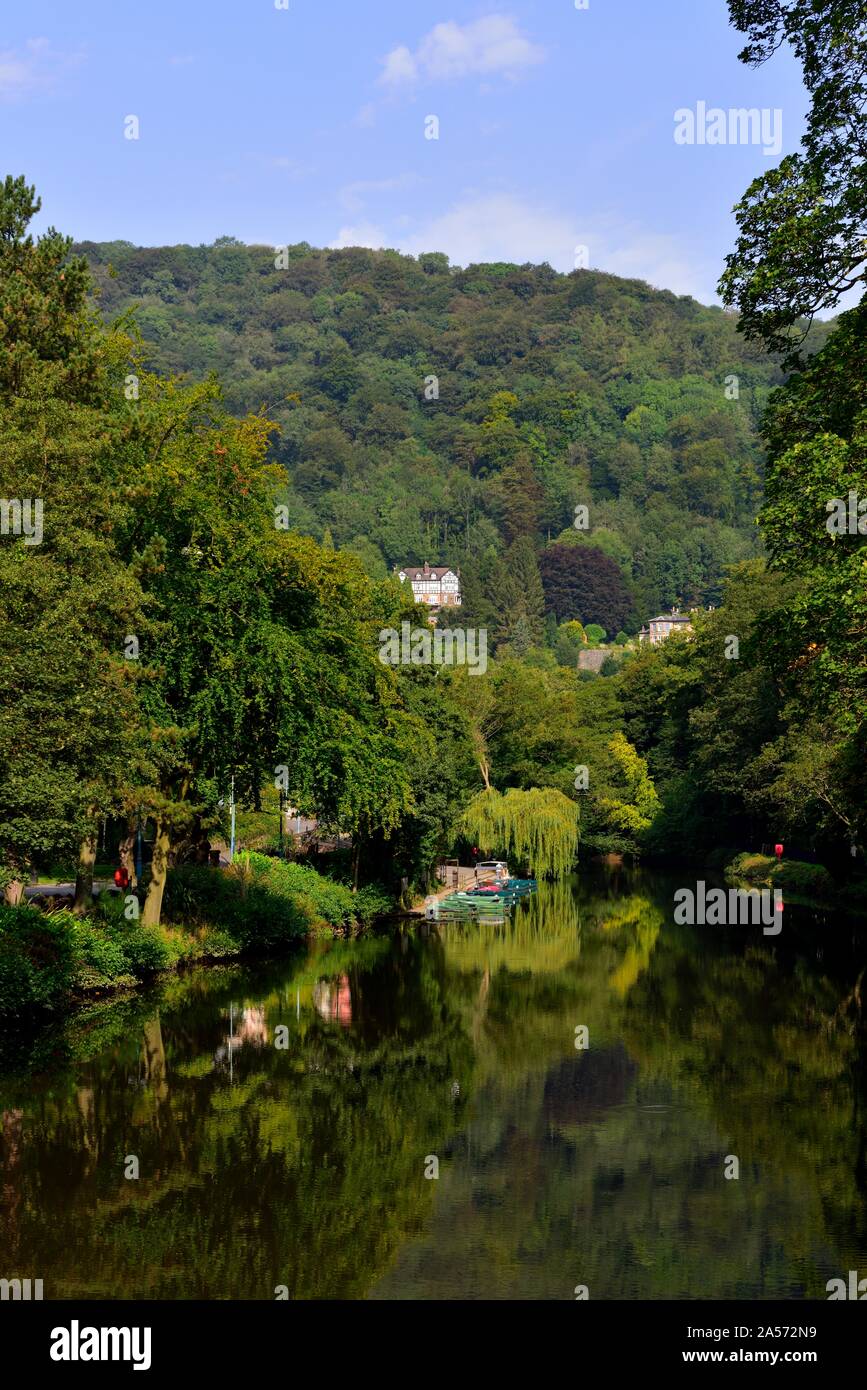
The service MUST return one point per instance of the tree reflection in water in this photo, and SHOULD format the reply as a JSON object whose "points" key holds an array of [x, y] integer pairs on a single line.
{"points": [[304, 1165]]}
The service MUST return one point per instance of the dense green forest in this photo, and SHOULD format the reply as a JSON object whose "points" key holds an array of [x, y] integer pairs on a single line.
{"points": [[166, 641], [431, 412], [426, 411]]}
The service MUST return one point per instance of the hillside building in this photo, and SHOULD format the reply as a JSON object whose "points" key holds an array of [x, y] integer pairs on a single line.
{"points": [[663, 626], [435, 585]]}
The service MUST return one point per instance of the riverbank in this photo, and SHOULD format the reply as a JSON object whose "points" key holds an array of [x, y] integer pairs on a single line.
{"points": [[810, 884], [52, 960]]}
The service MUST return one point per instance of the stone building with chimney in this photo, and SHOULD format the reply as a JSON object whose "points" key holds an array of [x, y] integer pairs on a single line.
{"points": [[663, 625]]}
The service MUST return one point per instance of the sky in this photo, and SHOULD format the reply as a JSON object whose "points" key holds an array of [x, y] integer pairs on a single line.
{"points": [[556, 126]]}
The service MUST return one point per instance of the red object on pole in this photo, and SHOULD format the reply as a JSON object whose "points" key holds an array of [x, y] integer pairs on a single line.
{"points": [[778, 851], [121, 877]]}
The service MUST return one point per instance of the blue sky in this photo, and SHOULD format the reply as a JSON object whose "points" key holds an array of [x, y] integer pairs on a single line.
{"points": [[556, 126]]}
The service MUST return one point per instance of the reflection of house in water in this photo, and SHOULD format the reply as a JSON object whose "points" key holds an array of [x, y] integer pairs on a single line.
{"points": [[333, 1000], [251, 1030]]}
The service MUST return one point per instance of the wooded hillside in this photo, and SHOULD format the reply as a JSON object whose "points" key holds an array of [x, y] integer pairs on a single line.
{"points": [[550, 391]]}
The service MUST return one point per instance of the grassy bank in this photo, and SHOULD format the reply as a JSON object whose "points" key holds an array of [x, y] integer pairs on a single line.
{"points": [[259, 907], [811, 884]]}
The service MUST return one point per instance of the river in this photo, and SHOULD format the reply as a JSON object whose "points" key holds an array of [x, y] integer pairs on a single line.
{"points": [[407, 1115]]}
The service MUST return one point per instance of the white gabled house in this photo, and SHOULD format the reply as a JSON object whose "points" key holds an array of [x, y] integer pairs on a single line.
{"points": [[436, 585]]}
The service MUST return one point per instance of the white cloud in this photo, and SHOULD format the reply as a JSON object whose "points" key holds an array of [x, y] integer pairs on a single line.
{"points": [[32, 68], [491, 45], [660, 260], [504, 227], [362, 234], [498, 227], [398, 66]]}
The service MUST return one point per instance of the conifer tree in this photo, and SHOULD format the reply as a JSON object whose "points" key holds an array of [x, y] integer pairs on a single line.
{"points": [[519, 596]]}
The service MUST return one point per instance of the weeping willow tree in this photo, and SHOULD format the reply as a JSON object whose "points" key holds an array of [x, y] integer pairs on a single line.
{"points": [[537, 827]]}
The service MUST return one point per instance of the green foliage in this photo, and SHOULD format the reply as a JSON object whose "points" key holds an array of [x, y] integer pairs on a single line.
{"points": [[244, 908], [37, 959], [570, 641], [263, 906], [372, 901], [261, 902], [68, 720], [518, 597], [801, 242], [334, 902], [254, 646], [441, 771], [801, 246], [636, 811], [46, 958], [554, 390], [263, 654], [537, 828], [796, 878]]}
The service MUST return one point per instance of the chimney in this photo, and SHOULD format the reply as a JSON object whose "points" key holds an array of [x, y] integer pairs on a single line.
{"points": [[426, 567]]}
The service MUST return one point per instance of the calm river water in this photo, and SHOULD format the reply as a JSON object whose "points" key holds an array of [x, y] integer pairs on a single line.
{"points": [[284, 1117]]}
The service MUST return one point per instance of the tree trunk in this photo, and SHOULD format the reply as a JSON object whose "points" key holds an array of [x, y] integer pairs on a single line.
{"points": [[356, 856], [155, 1058], [126, 851], [13, 891], [84, 876], [159, 869]]}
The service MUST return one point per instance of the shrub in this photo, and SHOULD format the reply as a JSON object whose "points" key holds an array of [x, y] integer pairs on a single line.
{"points": [[237, 903], [98, 956], [372, 901], [45, 957], [145, 949], [570, 642], [811, 880], [37, 958], [260, 903], [791, 875], [333, 902]]}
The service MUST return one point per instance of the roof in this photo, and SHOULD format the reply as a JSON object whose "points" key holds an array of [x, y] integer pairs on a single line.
{"points": [[672, 618], [429, 572]]}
